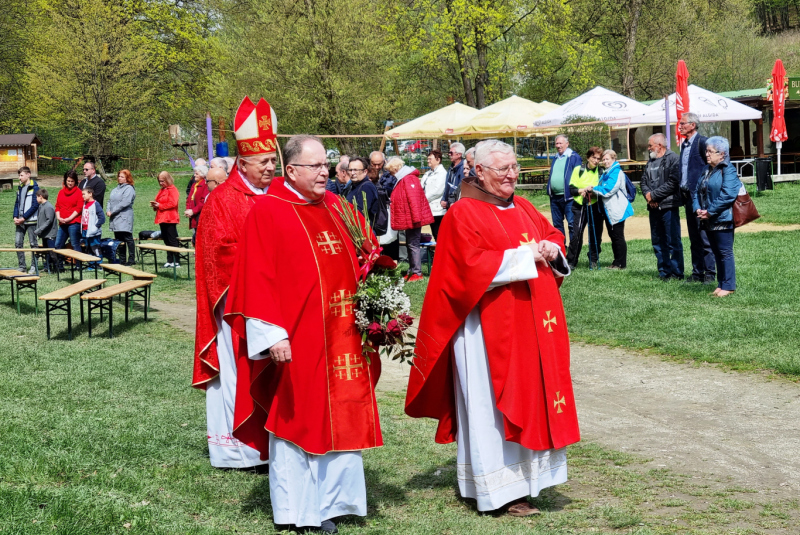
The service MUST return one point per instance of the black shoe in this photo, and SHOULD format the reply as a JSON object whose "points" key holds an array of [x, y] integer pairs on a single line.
{"points": [[593, 265], [665, 278], [571, 268], [710, 280], [328, 527], [694, 278]]}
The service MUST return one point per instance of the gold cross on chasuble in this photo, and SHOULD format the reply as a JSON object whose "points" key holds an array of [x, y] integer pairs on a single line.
{"points": [[348, 366], [341, 303], [549, 322], [525, 240], [329, 243], [558, 402]]}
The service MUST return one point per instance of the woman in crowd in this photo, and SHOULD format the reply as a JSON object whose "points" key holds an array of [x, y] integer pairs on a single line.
{"points": [[196, 198], [586, 209], [69, 205], [713, 200], [433, 183], [167, 218], [390, 241], [410, 212], [120, 214], [616, 208]]}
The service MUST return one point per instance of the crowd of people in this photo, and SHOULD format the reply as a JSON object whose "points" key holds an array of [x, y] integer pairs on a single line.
{"points": [[700, 179]]}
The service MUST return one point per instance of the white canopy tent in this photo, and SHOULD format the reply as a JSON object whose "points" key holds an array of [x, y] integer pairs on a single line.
{"points": [[709, 106], [434, 125], [512, 116], [601, 104]]}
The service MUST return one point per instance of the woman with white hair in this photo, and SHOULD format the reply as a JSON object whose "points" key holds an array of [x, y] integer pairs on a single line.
{"points": [[196, 198], [409, 212], [712, 201], [616, 207], [504, 394], [433, 183]]}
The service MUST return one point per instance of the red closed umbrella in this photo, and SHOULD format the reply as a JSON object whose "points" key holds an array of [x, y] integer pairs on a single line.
{"points": [[681, 95], [778, 131]]}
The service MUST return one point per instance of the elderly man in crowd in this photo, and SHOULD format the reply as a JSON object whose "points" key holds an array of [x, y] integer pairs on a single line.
{"points": [[693, 159], [310, 378], [469, 162], [558, 184], [454, 175], [218, 239], [214, 178], [661, 189], [93, 181], [219, 163], [341, 183], [505, 395]]}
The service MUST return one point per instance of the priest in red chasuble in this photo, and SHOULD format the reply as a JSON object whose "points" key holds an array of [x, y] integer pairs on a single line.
{"points": [[218, 233], [314, 389], [492, 353]]}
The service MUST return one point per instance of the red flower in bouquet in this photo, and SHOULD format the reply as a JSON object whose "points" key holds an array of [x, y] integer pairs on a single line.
{"points": [[375, 334], [394, 328], [405, 319], [385, 262]]}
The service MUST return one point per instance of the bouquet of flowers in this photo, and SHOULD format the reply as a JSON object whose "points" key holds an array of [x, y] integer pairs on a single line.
{"points": [[381, 305]]}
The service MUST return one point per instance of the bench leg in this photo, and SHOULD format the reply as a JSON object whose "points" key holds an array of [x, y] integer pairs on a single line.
{"points": [[69, 316], [81, 300], [12, 292], [174, 272], [36, 298], [146, 301], [47, 312], [110, 317], [89, 306], [18, 296], [189, 263], [126, 307]]}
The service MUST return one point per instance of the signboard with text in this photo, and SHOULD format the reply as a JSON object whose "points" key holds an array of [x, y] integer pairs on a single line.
{"points": [[794, 88]]}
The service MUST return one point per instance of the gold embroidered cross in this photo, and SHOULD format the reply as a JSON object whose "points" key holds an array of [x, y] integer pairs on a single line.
{"points": [[558, 402], [329, 243], [341, 303], [348, 366], [264, 123], [526, 239], [549, 322]]}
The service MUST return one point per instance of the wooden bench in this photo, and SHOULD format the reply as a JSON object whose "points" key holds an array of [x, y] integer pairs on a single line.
{"points": [[62, 300], [119, 269], [182, 254], [37, 252], [23, 281], [78, 257], [183, 240], [103, 300]]}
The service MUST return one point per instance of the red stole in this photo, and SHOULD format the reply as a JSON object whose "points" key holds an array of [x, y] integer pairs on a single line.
{"points": [[296, 268], [523, 323]]}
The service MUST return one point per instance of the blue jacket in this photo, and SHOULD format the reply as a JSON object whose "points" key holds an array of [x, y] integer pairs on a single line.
{"points": [[27, 207], [388, 181], [573, 161], [697, 161], [337, 188], [357, 192], [612, 191], [716, 191], [454, 177]]}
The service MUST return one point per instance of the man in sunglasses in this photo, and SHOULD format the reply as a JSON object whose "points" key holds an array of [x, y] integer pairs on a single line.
{"points": [[93, 181], [454, 175]]}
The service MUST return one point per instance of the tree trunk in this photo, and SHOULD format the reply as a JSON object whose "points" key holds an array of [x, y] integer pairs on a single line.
{"points": [[482, 76], [469, 96], [629, 57]]}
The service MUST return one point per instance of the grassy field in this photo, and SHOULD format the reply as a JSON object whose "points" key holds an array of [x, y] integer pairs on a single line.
{"points": [[107, 436]]}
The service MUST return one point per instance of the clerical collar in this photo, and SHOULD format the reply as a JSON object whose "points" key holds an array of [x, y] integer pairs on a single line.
{"points": [[471, 189], [290, 188], [257, 191]]}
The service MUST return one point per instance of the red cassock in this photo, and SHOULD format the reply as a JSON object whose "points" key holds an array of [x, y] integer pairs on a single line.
{"points": [[523, 326], [217, 240], [296, 269]]}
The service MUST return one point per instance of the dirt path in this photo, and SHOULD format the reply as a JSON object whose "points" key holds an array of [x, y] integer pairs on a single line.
{"points": [[742, 428]]}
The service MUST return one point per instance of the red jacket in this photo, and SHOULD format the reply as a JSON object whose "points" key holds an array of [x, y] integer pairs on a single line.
{"points": [[410, 208], [196, 200], [69, 201], [167, 211]]}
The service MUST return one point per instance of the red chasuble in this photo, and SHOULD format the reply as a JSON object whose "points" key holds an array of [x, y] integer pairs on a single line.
{"points": [[523, 325], [220, 225], [296, 268]]}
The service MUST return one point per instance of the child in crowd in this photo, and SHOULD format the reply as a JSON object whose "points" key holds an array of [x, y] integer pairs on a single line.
{"points": [[46, 226], [92, 221]]}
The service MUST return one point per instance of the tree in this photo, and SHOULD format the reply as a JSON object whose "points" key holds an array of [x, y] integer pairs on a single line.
{"points": [[14, 27]]}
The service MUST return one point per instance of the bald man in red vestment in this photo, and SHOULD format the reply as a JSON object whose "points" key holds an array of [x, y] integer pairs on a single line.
{"points": [[288, 301], [492, 353], [218, 233]]}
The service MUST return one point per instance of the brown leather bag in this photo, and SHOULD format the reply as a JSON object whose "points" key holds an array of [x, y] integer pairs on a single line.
{"points": [[744, 210]]}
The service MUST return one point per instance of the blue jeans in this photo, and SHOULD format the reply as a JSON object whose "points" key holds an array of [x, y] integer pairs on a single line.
{"points": [[93, 244], [559, 209], [722, 244], [702, 255], [665, 235], [73, 232], [19, 242]]}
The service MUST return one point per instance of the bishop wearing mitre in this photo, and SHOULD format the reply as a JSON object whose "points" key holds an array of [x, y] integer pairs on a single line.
{"points": [[218, 239], [289, 301], [491, 359]]}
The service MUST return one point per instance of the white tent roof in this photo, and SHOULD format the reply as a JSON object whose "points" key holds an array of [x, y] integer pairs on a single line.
{"points": [[709, 106], [599, 103]]}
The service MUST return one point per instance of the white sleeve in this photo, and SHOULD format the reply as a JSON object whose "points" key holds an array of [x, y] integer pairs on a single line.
{"points": [[262, 336], [518, 265]]}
